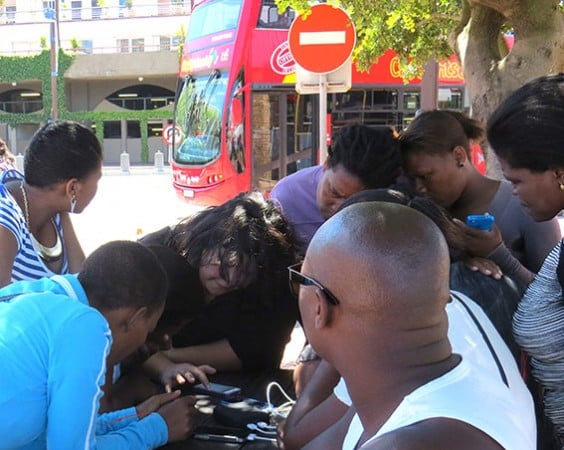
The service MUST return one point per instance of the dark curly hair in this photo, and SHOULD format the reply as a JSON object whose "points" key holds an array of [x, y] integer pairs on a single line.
{"points": [[371, 154], [246, 229]]}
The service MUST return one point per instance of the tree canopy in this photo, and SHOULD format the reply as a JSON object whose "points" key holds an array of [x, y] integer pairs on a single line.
{"points": [[420, 30]]}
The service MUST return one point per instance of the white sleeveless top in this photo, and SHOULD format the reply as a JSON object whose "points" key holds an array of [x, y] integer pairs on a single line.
{"points": [[485, 390]]}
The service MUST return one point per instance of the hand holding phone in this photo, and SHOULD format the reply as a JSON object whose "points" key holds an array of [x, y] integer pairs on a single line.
{"points": [[480, 221]]}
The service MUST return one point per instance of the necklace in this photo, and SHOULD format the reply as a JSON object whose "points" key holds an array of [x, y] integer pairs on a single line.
{"points": [[47, 254]]}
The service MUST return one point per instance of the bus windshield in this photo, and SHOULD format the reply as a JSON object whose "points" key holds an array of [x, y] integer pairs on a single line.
{"points": [[198, 114], [213, 17]]}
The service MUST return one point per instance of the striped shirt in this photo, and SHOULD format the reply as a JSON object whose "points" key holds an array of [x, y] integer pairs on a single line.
{"points": [[28, 265], [538, 326]]}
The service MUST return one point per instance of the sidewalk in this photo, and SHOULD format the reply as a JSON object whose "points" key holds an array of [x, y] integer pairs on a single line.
{"points": [[146, 169]]}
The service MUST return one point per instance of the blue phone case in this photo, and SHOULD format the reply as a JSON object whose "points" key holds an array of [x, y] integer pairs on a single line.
{"points": [[480, 221]]}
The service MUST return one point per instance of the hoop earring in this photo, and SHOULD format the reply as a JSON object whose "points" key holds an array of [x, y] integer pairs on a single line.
{"points": [[73, 203]]}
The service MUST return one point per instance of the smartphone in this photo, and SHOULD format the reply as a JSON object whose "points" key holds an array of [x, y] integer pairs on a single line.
{"points": [[226, 438], [223, 391], [481, 221]]}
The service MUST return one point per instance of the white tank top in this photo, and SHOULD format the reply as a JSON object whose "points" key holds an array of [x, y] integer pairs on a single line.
{"points": [[484, 390]]}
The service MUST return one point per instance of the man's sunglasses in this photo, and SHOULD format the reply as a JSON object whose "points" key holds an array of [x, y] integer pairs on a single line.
{"points": [[296, 278]]}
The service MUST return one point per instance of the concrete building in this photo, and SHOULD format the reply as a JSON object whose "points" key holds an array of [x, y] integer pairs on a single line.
{"points": [[117, 73]]}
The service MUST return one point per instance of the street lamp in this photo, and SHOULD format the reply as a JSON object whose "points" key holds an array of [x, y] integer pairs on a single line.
{"points": [[52, 14]]}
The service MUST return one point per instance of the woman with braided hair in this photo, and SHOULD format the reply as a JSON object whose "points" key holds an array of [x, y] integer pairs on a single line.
{"points": [[359, 158]]}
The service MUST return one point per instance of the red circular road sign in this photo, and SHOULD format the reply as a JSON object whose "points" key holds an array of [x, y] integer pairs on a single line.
{"points": [[322, 41], [171, 131]]}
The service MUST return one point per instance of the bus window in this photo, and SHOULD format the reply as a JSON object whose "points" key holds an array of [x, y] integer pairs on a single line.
{"points": [[274, 137], [382, 108], [347, 108], [213, 17], [303, 139], [451, 98], [236, 128], [384, 99], [198, 113], [411, 101], [270, 18], [303, 114]]}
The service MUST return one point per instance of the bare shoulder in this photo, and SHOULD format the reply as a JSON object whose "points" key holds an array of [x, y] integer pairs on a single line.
{"points": [[436, 434]]}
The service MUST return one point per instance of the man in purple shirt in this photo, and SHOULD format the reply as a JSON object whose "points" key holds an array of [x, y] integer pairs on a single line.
{"points": [[359, 158]]}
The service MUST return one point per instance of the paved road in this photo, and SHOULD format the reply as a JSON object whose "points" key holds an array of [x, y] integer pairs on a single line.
{"points": [[129, 205]]}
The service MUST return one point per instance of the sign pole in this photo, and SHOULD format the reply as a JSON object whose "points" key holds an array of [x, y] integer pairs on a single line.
{"points": [[322, 118], [321, 43]]}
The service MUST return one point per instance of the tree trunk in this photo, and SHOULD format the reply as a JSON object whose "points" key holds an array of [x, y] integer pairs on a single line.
{"points": [[491, 73]]}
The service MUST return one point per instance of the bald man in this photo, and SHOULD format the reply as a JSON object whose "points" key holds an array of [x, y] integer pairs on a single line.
{"points": [[373, 291]]}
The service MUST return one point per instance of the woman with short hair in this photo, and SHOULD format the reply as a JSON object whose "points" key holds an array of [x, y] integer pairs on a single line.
{"points": [[62, 166]]}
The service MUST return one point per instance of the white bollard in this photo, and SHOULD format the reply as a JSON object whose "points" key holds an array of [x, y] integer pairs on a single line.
{"points": [[124, 162], [20, 162], [159, 161]]}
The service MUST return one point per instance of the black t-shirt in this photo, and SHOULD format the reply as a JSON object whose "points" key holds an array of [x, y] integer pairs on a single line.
{"points": [[256, 321], [257, 329]]}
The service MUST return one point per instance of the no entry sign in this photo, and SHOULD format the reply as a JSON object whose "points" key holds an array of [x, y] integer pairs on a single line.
{"points": [[324, 40]]}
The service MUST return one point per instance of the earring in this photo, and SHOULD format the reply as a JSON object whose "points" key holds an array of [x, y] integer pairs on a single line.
{"points": [[561, 186], [73, 203]]}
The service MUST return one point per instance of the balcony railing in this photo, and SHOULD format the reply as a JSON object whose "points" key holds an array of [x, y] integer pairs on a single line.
{"points": [[11, 15], [144, 28]]}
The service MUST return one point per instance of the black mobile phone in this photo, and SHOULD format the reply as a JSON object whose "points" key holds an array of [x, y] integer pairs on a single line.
{"points": [[223, 391], [222, 430], [227, 438]]}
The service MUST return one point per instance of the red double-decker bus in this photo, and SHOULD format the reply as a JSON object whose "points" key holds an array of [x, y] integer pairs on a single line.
{"points": [[243, 126]]}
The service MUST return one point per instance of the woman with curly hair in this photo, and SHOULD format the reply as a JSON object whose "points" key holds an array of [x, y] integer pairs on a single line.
{"points": [[237, 253]]}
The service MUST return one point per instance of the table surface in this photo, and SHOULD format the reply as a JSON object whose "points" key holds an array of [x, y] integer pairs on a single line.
{"points": [[253, 386]]}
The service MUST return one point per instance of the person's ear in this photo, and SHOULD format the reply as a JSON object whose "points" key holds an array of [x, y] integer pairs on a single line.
{"points": [[460, 155], [138, 316], [559, 174], [71, 186], [323, 312]]}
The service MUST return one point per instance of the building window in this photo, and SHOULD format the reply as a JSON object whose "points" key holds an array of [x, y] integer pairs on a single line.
{"points": [[123, 45], [164, 44], [137, 45], [133, 129], [21, 101], [154, 129], [112, 130], [76, 10], [86, 46], [142, 97], [10, 14]]}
